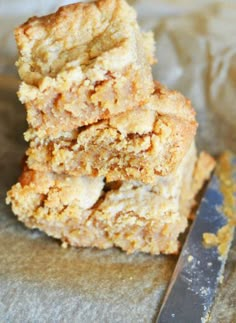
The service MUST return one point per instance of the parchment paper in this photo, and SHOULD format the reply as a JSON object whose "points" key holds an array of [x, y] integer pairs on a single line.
{"points": [[41, 282]]}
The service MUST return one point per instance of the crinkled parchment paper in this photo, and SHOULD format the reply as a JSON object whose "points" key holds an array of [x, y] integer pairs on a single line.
{"points": [[41, 282]]}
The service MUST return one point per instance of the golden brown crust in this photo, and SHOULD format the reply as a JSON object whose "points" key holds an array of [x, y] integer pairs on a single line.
{"points": [[139, 144], [71, 67]]}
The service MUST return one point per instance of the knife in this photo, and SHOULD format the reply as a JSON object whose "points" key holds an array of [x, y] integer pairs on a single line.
{"points": [[199, 269]]}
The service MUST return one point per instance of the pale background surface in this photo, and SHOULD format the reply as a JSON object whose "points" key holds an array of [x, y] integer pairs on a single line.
{"points": [[40, 282]]}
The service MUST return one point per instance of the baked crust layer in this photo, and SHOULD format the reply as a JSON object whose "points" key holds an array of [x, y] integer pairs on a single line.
{"points": [[84, 63], [87, 212]]}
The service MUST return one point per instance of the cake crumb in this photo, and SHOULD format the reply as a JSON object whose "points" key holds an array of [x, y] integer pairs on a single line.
{"points": [[190, 258], [64, 245], [221, 279]]}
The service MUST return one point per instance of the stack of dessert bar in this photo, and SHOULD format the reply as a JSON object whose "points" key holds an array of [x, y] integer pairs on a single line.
{"points": [[111, 158]]}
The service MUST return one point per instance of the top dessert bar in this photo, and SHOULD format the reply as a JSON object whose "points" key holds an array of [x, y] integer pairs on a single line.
{"points": [[84, 63]]}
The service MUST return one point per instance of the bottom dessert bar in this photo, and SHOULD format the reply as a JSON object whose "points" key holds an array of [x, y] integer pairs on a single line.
{"points": [[88, 212]]}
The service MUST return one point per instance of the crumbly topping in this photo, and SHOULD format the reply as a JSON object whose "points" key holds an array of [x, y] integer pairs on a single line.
{"points": [[79, 38], [74, 36]]}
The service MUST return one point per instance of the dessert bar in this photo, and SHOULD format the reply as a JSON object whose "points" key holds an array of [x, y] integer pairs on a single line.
{"points": [[139, 144], [84, 63], [90, 212]]}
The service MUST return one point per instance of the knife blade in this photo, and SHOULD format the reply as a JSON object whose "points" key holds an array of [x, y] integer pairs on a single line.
{"points": [[199, 269]]}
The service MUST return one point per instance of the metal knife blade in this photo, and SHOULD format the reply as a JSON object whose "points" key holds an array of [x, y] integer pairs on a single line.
{"points": [[199, 269]]}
